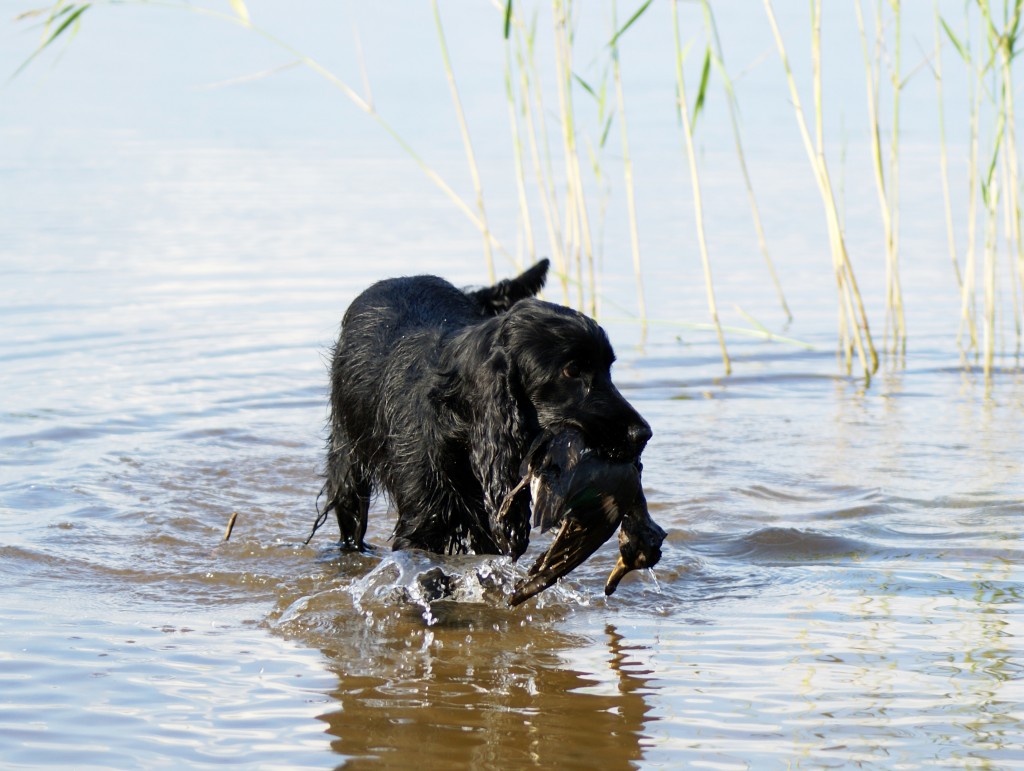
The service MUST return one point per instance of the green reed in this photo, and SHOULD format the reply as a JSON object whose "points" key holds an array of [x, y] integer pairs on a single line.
{"points": [[566, 213], [854, 331], [627, 160], [466, 141], [531, 106], [996, 182], [550, 133], [716, 56], [943, 151], [519, 161], [887, 182], [1005, 42], [691, 156]]}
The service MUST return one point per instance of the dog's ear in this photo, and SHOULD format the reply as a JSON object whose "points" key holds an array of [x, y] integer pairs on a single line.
{"points": [[498, 445], [497, 299]]}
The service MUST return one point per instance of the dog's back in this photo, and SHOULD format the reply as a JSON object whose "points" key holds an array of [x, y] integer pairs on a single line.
{"points": [[414, 313], [393, 308], [391, 424]]}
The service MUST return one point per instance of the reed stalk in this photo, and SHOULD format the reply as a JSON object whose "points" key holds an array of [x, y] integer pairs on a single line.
{"points": [[517, 151], [627, 173], [987, 184], [990, 196], [1011, 249], [894, 286], [231, 526], [846, 336], [540, 152], [994, 206], [873, 69], [563, 81], [1006, 43], [943, 153], [1000, 178], [888, 192], [856, 317], [467, 143], [605, 117], [698, 203], [577, 225], [975, 90], [762, 241], [854, 330], [967, 308]]}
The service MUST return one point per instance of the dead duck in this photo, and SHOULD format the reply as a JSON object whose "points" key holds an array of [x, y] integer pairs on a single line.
{"points": [[587, 497]]}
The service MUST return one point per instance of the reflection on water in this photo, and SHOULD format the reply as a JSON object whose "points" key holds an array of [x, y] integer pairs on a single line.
{"points": [[841, 581]]}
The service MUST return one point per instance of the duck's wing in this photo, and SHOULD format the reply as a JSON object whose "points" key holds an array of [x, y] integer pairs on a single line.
{"points": [[553, 477]]}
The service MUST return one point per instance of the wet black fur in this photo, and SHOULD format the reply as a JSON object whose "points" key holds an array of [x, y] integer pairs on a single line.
{"points": [[438, 393]]}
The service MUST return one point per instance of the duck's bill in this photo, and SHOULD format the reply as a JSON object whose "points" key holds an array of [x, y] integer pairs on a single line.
{"points": [[571, 547], [618, 573], [640, 542]]}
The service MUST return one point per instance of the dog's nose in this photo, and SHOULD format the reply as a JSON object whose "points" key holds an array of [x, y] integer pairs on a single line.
{"points": [[640, 434]]}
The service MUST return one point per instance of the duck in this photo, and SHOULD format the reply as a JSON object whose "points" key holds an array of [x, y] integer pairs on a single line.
{"points": [[587, 497]]}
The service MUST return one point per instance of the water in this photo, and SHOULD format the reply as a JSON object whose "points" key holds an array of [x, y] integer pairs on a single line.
{"points": [[841, 582]]}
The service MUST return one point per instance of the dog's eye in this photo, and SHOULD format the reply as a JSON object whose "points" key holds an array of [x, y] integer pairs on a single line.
{"points": [[571, 370]]}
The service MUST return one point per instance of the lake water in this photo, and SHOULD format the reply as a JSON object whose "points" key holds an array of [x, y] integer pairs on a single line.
{"points": [[841, 581]]}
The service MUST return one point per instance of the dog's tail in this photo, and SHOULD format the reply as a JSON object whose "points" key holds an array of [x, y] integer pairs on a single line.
{"points": [[497, 299]]}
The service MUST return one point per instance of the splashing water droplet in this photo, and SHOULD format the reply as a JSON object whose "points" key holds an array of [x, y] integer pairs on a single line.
{"points": [[654, 578]]}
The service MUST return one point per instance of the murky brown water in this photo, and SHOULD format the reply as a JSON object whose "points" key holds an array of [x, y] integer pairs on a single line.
{"points": [[841, 583]]}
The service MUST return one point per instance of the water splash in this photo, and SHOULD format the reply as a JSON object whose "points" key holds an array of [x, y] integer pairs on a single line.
{"points": [[654, 580]]}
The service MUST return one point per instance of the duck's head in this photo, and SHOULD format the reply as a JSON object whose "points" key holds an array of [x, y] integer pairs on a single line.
{"points": [[640, 539]]}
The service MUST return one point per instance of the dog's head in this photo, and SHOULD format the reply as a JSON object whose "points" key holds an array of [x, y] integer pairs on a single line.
{"points": [[562, 361], [540, 367]]}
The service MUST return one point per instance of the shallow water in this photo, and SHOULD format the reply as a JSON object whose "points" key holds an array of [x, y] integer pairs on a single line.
{"points": [[841, 581]]}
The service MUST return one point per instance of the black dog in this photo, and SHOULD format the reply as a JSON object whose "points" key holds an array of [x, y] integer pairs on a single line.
{"points": [[437, 395]]}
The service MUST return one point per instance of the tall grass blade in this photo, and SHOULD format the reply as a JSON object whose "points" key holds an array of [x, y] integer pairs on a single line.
{"points": [[853, 323], [632, 19], [718, 60], [586, 87], [70, 14], [467, 144], [943, 152], [577, 225], [894, 288], [702, 90], [605, 131], [967, 299], [627, 172], [517, 150], [886, 186], [540, 149], [698, 203], [960, 49]]}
